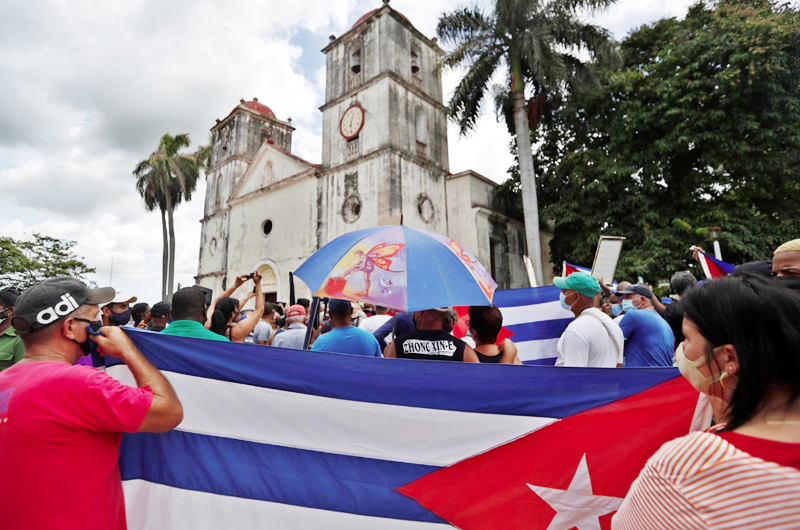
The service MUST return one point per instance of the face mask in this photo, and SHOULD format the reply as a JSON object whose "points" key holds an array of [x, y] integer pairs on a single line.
{"points": [[791, 282], [627, 306], [120, 319], [93, 328], [689, 370], [616, 310], [563, 301]]}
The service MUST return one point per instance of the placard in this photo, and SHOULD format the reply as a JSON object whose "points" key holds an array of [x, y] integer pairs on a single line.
{"points": [[606, 258]]}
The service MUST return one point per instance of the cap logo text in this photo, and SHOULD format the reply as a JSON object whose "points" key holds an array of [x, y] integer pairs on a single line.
{"points": [[66, 306]]}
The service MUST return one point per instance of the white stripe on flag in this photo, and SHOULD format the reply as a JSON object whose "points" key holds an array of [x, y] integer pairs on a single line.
{"points": [[152, 506], [386, 432], [525, 314], [533, 350]]}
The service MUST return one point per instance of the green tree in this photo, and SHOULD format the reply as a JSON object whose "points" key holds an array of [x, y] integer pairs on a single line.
{"points": [[164, 180], [701, 127], [26, 262], [538, 43]]}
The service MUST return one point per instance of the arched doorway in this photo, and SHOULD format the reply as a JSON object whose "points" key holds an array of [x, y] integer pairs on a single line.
{"points": [[269, 282]]}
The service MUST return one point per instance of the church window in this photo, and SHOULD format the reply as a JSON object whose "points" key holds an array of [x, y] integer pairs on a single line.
{"points": [[355, 59], [425, 208], [421, 128], [353, 148], [219, 193], [351, 209], [416, 80], [212, 246], [266, 227]]}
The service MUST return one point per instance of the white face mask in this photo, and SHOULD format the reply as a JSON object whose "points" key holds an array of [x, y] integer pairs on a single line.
{"points": [[689, 370]]}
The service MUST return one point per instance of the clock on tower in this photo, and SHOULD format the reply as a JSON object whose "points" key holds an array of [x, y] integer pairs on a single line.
{"points": [[352, 122]]}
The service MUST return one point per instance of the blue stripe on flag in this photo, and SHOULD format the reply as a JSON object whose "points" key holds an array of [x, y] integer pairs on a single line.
{"points": [[723, 266], [529, 296], [273, 473], [411, 383], [546, 329], [549, 361]]}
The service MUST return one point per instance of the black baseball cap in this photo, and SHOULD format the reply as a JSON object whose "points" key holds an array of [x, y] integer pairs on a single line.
{"points": [[161, 309], [51, 300], [337, 305], [637, 289]]}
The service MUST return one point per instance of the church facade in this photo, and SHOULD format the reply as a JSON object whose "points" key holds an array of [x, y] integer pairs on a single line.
{"points": [[384, 159]]}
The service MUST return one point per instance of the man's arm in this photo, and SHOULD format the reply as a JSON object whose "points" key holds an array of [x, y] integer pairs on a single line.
{"points": [[389, 352], [383, 331], [166, 411], [660, 308], [469, 355]]}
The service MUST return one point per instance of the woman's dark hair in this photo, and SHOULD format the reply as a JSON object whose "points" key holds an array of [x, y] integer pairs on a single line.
{"points": [[755, 268], [222, 314], [487, 321], [8, 298], [762, 321]]}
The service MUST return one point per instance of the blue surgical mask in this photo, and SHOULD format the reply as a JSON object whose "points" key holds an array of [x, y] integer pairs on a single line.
{"points": [[627, 306], [563, 300], [616, 310]]}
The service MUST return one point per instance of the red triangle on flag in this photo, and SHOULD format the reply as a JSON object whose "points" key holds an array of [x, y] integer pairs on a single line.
{"points": [[573, 472]]}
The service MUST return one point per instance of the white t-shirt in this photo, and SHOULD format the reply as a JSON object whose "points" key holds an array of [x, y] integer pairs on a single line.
{"points": [[587, 341], [372, 324]]}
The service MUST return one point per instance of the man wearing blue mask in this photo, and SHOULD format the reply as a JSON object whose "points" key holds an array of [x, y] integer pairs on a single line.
{"points": [[648, 337], [117, 312], [592, 339]]}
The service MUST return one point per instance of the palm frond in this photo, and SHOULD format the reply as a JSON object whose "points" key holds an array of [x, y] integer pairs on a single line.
{"points": [[465, 104], [463, 25]]}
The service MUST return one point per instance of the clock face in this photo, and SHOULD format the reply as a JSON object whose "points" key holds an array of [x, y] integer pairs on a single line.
{"points": [[352, 121]]}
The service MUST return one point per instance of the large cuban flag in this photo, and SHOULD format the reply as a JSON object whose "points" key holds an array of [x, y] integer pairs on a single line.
{"points": [[276, 438], [536, 319]]}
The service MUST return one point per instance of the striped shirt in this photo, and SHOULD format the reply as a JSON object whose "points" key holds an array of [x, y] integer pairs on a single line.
{"points": [[701, 481]]}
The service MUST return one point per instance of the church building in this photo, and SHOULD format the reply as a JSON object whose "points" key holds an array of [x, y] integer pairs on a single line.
{"points": [[384, 158]]}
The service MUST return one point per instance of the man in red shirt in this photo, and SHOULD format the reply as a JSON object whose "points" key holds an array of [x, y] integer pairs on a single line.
{"points": [[61, 424]]}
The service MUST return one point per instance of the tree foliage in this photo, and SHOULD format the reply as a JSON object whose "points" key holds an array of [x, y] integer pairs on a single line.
{"points": [[24, 263], [700, 127], [164, 180]]}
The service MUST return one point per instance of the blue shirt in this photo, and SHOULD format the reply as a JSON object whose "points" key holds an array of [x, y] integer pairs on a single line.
{"points": [[350, 340], [403, 323], [648, 339]]}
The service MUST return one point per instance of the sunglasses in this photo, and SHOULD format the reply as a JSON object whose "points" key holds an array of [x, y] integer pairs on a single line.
{"points": [[93, 327]]}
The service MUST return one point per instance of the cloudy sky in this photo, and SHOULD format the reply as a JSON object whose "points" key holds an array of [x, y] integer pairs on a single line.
{"points": [[89, 86]]}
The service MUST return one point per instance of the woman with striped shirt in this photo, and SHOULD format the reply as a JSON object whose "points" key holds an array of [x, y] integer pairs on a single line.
{"points": [[742, 349]]}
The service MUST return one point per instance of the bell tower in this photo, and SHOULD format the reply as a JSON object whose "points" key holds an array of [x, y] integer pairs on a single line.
{"points": [[384, 140]]}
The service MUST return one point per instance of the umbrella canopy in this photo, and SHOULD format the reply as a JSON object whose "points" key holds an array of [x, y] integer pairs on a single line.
{"points": [[398, 267]]}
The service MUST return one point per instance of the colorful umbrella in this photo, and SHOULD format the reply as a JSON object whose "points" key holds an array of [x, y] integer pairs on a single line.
{"points": [[398, 267]]}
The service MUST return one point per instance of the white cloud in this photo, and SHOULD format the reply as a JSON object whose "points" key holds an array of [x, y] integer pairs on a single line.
{"points": [[89, 87]]}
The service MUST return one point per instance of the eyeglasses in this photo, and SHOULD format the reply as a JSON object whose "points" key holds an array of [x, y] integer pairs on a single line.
{"points": [[94, 325]]}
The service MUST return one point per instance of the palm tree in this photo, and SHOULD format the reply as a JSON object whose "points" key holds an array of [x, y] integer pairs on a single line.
{"points": [[537, 43], [164, 180]]}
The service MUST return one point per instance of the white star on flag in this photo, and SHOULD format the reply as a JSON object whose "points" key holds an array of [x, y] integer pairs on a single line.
{"points": [[577, 506]]}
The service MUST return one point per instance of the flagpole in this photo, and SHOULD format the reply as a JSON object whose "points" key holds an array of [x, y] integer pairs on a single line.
{"points": [[311, 323]]}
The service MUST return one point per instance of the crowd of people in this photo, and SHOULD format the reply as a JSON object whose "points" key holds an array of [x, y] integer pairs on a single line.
{"points": [[736, 340]]}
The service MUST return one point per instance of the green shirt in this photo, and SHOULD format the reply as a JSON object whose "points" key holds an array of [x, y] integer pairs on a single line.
{"points": [[11, 348], [191, 328]]}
